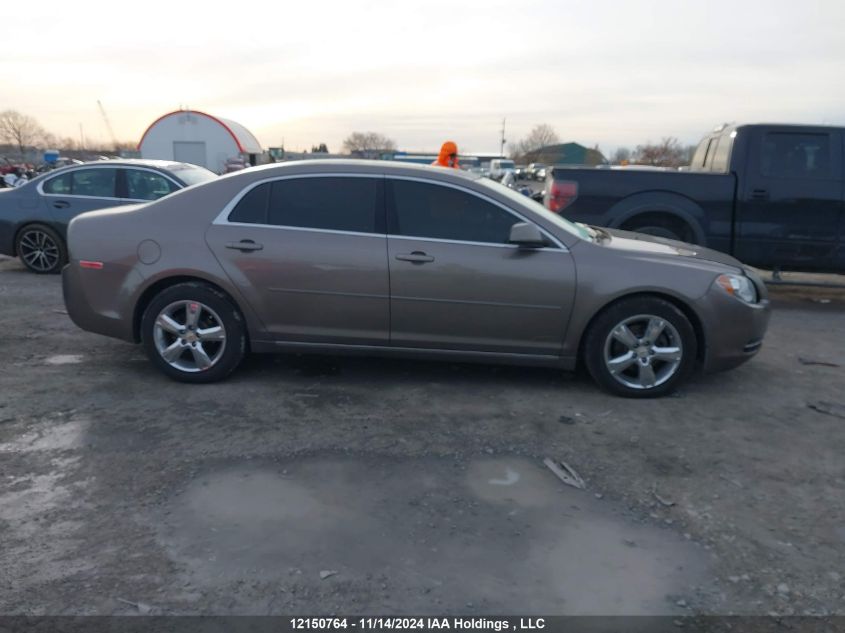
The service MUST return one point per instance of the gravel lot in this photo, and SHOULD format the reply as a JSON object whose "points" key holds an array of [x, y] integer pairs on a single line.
{"points": [[320, 485]]}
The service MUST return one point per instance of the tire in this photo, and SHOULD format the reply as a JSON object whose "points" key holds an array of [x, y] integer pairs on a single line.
{"points": [[197, 354], [645, 366], [41, 249]]}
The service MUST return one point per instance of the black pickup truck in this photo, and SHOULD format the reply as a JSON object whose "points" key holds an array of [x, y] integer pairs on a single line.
{"points": [[773, 196]]}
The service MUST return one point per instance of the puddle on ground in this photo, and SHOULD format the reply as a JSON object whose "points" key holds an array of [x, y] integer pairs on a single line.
{"points": [[504, 533]]}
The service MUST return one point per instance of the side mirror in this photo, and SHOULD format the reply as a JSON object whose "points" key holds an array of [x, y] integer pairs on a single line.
{"points": [[526, 235]]}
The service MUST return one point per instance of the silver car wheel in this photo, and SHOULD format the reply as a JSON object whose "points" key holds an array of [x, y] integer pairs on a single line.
{"points": [[38, 250], [643, 351], [189, 336]]}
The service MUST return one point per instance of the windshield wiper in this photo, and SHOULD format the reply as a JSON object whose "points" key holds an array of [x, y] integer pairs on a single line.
{"points": [[591, 232], [605, 235]]}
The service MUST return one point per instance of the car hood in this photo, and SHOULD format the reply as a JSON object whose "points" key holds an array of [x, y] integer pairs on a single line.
{"points": [[651, 245]]}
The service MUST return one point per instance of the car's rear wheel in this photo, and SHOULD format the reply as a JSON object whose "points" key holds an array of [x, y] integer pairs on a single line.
{"points": [[41, 249], [193, 333], [642, 347]]}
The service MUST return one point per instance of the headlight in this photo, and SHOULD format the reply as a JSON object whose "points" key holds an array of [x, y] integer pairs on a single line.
{"points": [[739, 286]]}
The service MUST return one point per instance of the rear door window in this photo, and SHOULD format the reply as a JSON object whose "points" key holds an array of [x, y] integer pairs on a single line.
{"points": [[792, 155], [427, 210], [334, 203], [96, 183]]}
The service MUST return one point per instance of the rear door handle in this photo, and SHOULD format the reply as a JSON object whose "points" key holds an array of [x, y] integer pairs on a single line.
{"points": [[417, 257], [244, 246], [759, 194], [61, 204]]}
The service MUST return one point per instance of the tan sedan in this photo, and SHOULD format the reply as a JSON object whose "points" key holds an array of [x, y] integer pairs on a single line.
{"points": [[393, 259]]}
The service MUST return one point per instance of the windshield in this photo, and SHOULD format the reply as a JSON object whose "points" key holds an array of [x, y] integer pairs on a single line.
{"points": [[579, 231], [192, 175]]}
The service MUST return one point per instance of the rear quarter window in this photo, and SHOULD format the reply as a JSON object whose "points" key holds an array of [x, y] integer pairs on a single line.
{"points": [[60, 185]]}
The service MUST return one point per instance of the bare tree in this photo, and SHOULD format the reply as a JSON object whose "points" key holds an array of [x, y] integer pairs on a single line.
{"points": [[368, 142], [19, 129], [621, 155], [541, 136], [667, 153], [67, 143]]}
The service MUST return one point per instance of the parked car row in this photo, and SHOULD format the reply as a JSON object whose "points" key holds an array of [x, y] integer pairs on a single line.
{"points": [[34, 217]]}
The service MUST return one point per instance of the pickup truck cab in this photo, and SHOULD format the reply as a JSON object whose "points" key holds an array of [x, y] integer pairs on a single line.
{"points": [[771, 195]]}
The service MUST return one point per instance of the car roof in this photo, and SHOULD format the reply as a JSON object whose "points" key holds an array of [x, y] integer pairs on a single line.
{"points": [[161, 165], [352, 165]]}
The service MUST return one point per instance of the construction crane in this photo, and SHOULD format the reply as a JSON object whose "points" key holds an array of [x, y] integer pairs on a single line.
{"points": [[108, 124]]}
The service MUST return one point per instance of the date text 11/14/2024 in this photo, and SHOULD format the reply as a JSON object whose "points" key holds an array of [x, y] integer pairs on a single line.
{"points": [[418, 624]]}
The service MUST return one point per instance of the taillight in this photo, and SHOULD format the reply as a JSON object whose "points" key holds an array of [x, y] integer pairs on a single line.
{"points": [[562, 194]]}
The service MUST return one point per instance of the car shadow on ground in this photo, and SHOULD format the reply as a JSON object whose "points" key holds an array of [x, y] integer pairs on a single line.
{"points": [[363, 369]]}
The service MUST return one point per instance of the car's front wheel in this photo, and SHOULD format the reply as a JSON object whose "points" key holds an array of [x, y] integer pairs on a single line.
{"points": [[41, 249], [193, 333], [641, 347]]}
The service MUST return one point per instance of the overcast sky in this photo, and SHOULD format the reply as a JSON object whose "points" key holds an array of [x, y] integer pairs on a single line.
{"points": [[607, 72]]}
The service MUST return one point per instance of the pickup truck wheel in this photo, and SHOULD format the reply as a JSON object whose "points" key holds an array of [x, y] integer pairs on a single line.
{"points": [[642, 347]]}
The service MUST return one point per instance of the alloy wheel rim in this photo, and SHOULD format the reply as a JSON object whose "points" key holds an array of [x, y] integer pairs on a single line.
{"points": [[189, 336], [38, 250], [643, 351]]}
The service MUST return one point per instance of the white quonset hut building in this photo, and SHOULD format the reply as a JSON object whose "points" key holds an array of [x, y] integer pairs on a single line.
{"points": [[190, 136]]}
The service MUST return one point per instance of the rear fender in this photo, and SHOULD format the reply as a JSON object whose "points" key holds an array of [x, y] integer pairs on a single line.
{"points": [[674, 205]]}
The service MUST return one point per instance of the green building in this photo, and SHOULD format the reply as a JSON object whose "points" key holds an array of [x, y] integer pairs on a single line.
{"points": [[565, 154]]}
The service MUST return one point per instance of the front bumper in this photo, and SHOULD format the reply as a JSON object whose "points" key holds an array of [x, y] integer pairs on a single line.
{"points": [[733, 329]]}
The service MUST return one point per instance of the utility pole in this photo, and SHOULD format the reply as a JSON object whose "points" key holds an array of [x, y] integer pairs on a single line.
{"points": [[81, 137], [502, 145]]}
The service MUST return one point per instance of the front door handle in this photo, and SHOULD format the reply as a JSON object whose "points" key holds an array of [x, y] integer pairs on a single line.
{"points": [[244, 246], [417, 257], [759, 194], [61, 204]]}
